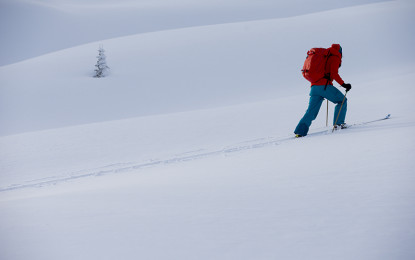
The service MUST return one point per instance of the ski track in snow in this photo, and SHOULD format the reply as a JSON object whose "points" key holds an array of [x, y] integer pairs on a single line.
{"points": [[182, 157], [127, 167]]}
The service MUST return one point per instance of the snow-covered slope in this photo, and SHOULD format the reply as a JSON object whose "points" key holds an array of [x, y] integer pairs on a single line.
{"points": [[274, 202], [201, 67], [209, 168], [30, 28]]}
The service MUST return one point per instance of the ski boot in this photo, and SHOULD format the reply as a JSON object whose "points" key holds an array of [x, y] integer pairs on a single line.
{"points": [[342, 126]]}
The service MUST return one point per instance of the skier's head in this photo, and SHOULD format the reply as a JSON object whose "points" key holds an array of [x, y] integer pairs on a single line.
{"points": [[338, 48]]}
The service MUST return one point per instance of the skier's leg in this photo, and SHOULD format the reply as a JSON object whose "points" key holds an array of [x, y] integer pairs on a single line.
{"points": [[311, 114], [336, 96]]}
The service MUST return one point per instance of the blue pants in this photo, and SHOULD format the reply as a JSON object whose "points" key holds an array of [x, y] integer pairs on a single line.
{"points": [[317, 96]]}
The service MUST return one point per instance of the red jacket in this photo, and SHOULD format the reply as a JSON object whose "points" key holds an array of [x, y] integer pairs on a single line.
{"points": [[332, 67]]}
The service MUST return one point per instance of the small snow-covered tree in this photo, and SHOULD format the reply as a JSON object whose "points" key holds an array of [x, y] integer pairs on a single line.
{"points": [[101, 66]]}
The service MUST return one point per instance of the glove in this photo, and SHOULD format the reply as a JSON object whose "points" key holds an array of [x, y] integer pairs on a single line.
{"points": [[347, 86]]}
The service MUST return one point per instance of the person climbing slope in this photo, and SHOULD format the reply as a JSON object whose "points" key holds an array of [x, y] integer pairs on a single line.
{"points": [[321, 68]]}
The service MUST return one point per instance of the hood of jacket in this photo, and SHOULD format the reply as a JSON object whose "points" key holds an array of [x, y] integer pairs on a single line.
{"points": [[335, 50]]}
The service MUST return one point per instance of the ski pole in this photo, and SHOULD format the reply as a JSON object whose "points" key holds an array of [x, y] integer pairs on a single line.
{"points": [[327, 114], [327, 76], [335, 123]]}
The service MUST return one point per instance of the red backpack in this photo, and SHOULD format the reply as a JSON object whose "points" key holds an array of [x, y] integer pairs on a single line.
{"points": [[315, 64]]}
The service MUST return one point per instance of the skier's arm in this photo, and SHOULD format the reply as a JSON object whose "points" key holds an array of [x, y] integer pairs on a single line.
{"points": [[334, 71]]}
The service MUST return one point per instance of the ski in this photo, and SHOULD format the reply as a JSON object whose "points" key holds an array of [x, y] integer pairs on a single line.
{"points": [[369, 122], [388, 116]]}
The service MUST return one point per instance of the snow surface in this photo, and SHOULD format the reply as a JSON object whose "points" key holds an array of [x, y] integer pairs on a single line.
{"points": [[30, 28], [185, 151]]}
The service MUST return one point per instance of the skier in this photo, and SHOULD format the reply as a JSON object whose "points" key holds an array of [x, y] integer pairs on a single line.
{"points": [[324, 89]]}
